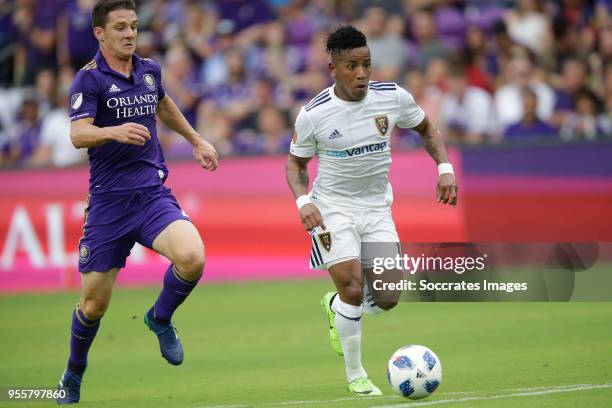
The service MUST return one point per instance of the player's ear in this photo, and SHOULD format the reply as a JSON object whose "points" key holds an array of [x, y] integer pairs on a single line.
{"points": [[99, 33], [332, 69]]}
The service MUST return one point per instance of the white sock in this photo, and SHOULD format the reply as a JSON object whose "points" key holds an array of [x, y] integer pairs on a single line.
{"points": [[334, 303], [372, 309], [369, 306], [348, 324]]}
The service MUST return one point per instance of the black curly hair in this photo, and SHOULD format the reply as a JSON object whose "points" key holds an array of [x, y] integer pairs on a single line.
{"points": [[345, 38]]}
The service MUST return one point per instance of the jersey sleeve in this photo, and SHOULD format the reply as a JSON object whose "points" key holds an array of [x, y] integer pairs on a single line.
{"points": [[157, 73], [410, 114], [303, 143], [161, 92], [83, 96]]}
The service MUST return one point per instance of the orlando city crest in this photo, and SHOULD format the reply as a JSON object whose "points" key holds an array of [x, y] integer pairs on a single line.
{"points": [[382, 124], [83, 253], [325, 240], [149, 81]]}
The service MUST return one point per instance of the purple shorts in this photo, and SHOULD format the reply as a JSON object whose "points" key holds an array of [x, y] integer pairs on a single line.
{"points": [[115, 222]]}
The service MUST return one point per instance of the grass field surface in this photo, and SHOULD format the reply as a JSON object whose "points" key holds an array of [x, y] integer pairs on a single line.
{"points": [[265, 344]]}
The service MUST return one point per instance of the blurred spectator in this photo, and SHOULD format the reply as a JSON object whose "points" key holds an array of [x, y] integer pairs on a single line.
{"points": [[604, 43], [233, 95], [263, 95], [429, 97], [76, 43], [452, 24], [436, 73], [528, 26], [271, 57], [55, 147], [603, 11], [8, 42], [308, 83], [36, 23], [530, 127], [426, 36], [214, 70], [508, 98], [299, 25], [480, 62], [45, 91], [273, 135], [573, 78], [180, 80], [606, 117], [500, 49], [566, 40], [11, 100], [585, 122], [26, 134], [387, 48], [467, 111], [198, 30]]}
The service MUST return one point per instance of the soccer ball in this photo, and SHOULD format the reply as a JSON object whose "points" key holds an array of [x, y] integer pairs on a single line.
{"points": [[414, 372]]}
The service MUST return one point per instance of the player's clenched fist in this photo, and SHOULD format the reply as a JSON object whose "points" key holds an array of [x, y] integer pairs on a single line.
{"points": [[311, 217], [130, 133]]}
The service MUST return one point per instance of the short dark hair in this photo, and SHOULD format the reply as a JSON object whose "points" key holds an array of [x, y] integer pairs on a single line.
{"points": [[345, 38], [99, 15]]}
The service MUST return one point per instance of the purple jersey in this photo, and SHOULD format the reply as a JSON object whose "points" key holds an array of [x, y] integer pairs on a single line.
{"points": [[113, 99]]}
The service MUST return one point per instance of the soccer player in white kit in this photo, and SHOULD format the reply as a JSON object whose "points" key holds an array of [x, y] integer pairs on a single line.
{"points": [[348, 127]]}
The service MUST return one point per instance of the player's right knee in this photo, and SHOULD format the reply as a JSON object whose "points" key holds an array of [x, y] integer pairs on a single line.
{"points": [[93, 309]]}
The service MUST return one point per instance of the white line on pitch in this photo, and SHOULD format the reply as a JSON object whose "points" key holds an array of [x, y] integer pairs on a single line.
{"points": [[543, 391]]}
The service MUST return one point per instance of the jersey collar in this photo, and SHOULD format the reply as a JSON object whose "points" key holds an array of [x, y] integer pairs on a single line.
{"points": [[348, 104], [104, 67]]}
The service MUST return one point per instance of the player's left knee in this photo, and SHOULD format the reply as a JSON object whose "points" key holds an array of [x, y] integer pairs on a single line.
{"points": [[386, 305], [190, 263]]}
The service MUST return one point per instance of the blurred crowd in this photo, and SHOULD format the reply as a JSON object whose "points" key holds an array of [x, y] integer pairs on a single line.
{"points": [[484, 71]]}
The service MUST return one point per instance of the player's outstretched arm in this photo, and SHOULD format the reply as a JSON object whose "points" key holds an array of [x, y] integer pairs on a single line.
{"points": [[84, 133], [171, 116], [446, 191], [297, 178]]}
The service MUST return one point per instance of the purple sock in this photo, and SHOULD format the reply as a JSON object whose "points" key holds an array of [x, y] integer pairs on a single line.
{"points": [[82, 335], [175, 291]]}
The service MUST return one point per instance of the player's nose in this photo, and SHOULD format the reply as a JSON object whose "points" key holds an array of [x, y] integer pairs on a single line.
{"points": [[361, 73]]}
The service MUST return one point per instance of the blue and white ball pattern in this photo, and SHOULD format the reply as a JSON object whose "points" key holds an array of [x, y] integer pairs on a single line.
{"points": [[414, 372]]}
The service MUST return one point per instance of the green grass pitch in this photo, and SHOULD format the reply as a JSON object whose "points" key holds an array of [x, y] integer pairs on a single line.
{"points": [[265, 344]]}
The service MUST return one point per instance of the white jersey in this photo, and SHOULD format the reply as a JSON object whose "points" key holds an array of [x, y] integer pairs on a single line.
{"points": [[352, 143]]}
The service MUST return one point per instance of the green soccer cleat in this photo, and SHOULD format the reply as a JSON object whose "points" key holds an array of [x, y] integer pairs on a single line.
{"points": [[334, 338], [363, 387]]}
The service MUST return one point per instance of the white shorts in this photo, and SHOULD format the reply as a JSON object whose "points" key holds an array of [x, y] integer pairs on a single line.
{"points": [[347, 229]]}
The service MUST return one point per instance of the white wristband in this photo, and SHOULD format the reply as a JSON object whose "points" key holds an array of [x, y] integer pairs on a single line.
{"points": [[302, 200], [445, 168]]}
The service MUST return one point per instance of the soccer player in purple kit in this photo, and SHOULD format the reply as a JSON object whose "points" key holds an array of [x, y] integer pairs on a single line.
{"points": [[114, 102]]}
